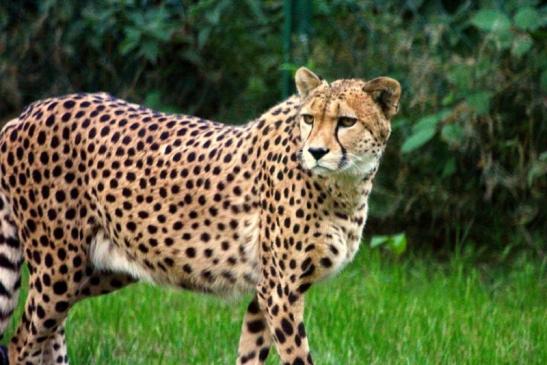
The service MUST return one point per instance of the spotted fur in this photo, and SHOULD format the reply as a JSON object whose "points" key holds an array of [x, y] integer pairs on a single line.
{"points": [[96, 193]]}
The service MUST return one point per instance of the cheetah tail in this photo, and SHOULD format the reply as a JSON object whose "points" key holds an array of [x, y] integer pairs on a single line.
{"points": [[10, 262]]}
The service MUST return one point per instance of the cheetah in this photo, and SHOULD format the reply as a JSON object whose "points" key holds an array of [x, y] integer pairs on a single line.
{"points": [[97, 193]]}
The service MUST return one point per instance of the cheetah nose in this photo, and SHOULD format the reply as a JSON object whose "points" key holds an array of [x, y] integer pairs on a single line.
{"points": [[318, 152]]}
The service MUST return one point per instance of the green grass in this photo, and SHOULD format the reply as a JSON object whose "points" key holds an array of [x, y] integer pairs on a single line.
{"points": [[378, 311]]}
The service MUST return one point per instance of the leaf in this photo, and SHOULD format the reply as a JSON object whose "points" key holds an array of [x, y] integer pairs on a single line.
{"points": [[427, 122], [479, 101], [150, 50], [131, 40], [461, 76], [449, 167], [192, 56], [504, 39], [203, 36], [399, 122], [417, 140], [378, 241], [153, 100], [448, 99], [521, 45], [543, 80], [497, 23], [431, 121], [397, 244], [528, 19], [452, 134], [491, 20], [257, 11], [538, 169]]}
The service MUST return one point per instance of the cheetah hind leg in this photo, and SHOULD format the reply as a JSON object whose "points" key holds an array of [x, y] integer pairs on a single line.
{"points": [[55, 351], [46, 343]]}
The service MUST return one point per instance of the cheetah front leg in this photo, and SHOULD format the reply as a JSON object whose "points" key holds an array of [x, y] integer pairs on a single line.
{"points": [[283, 306], [255, 340]]}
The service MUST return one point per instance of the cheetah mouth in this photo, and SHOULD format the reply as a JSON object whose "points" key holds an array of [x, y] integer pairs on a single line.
{"points": [[322, 170]]}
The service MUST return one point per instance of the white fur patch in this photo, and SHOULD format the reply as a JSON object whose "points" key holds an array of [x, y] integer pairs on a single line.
{"points": [[367, 164], [107, 256], [9, 124]]}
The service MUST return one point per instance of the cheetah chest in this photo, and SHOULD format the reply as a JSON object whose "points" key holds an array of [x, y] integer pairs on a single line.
{"points": [[343, 238]]}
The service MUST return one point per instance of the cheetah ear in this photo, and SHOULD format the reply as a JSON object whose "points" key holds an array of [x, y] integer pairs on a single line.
{"points": [[306, 81], [386, 92]]}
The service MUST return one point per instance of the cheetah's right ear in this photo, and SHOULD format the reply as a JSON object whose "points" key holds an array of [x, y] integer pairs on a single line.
{"points": [[386, 92], [306, 81]]}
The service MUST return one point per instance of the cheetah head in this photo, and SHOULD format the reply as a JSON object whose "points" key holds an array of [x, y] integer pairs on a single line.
{"points": [[344, 125]]}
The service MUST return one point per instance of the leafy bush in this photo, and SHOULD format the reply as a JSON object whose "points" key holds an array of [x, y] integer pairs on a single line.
{"points": [[140, 49], [468, 155]]}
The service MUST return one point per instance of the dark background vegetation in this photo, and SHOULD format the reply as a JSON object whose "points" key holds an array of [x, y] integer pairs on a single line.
{"points": [[467, 162]]}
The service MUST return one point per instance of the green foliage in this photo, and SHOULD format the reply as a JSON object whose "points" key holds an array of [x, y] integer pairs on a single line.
{"points": [[464, 160], [397, 243], [202, 57]]}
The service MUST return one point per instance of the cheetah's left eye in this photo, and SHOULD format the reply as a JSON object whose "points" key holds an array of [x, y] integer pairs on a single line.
{"points": [[346, 122], [308, 119]]}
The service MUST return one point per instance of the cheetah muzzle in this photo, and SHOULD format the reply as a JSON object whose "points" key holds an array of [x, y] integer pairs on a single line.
{"points": [[97, 193]]}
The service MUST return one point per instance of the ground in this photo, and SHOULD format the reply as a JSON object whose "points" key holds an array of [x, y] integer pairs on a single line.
{"points": [[407, 311]]}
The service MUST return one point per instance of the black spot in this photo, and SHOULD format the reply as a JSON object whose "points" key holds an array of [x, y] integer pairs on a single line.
{"points": [[303, 288], [61, 306], [70, 214], [326, 262], [59, 287], [287, 326], [58, 233], [60, 196], [69, 104], [50, 323], [41, 138], [191, 252], [31, 225], [280, 336], [253, 307], [263, 354], [293, 297], [256, 326], [301, 330]]}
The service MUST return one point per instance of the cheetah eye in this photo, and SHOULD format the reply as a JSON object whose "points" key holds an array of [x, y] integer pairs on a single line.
{"points": [[346, 122], [308, 119]]}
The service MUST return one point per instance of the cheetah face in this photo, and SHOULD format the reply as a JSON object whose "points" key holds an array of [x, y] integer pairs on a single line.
{"points": [[344, 125]]}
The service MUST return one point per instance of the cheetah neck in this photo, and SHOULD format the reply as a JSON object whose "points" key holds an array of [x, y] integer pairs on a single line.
{"points": [[348, 194]]}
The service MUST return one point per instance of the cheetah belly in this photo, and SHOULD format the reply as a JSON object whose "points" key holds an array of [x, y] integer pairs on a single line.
{"points": [[230, 273], [106, 256]]}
